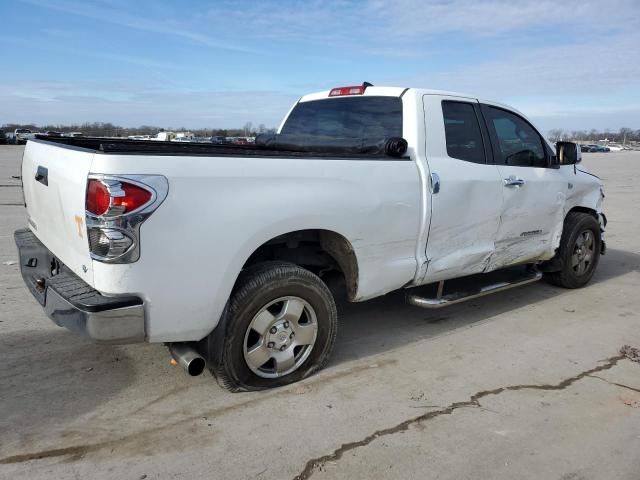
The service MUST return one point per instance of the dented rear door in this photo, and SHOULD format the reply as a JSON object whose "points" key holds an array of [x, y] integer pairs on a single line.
{"points": [[465, 190]]}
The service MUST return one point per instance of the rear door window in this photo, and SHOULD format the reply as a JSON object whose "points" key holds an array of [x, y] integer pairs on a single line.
{"points": [[462, 132]]}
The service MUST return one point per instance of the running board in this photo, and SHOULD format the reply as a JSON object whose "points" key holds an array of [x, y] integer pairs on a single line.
{"points": [[461, 296]]}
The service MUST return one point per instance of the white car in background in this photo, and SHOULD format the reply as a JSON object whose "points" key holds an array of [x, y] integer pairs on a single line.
{"points": [[21, 135], [615, 148]]}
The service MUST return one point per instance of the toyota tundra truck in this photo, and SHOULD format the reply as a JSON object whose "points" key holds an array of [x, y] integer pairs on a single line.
{"points": [[232, 255]]}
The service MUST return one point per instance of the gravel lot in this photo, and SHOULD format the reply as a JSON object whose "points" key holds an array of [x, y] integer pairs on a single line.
{"points": [[525, 384]]}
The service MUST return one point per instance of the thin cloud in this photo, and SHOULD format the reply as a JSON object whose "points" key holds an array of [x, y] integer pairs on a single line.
{"points": [[385, 23], [205, 108], [601, 65], [123, 19], [188, 29], [492, 17], [124, 58]]}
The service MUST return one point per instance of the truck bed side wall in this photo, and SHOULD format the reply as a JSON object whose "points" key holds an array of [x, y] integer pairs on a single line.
{"points": [[219, 210]]}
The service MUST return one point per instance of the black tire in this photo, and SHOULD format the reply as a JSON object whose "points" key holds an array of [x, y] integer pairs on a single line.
{"points": [[256, 288], [569, 276]]}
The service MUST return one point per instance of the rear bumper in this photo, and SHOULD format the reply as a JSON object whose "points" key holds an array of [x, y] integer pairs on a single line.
{"points": [[72, 303]]}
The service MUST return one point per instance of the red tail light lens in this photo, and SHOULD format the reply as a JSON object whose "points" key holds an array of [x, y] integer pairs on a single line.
{"points": [[134, 197], [115, 198], [98, 197]]}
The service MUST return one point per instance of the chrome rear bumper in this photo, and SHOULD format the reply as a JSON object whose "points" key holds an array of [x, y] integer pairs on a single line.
{"points": [[72, 303], [112, 326]]}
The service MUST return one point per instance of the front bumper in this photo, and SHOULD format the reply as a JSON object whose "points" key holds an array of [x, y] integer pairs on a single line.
{"points": [[72, 303]]}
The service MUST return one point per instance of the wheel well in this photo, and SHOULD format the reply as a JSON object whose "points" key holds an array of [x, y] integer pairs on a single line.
{"points": [[555, 263], [326, 253], [590, 211]]}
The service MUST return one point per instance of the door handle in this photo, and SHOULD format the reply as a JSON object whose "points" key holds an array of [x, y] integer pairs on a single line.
{"points": [[434, 179], [513, 181]]}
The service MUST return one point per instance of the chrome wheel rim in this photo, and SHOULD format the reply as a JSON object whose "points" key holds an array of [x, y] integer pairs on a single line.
{"points": [[280, 337], [583, 252]]}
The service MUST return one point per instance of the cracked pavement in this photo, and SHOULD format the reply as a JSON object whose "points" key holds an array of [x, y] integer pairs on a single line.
{"points": [[528, 383], [474, 401]]}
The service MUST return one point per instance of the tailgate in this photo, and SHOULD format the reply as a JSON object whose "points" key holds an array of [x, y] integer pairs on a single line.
{"points": [[54, 181]]}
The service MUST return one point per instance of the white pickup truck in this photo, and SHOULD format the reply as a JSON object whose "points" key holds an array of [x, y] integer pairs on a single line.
{"points": [[232, 255], [21, 136]]}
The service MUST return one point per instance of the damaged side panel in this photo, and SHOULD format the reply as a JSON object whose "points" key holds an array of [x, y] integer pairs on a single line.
{"points": [[465, 210], [461, 249], [533, 215], [530, 230]]}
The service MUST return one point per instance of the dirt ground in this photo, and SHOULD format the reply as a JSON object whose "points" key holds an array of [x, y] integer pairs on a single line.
{"points": [[525, 384]]}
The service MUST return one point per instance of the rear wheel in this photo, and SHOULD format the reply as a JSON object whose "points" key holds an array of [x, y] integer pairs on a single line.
{"points": [[579, 251], [279, 327]]}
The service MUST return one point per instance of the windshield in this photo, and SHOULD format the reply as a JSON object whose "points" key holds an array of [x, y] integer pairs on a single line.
{"points": [[23, 130], [351, 121]]}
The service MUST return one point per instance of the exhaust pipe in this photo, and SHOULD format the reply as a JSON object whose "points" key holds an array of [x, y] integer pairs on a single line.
{"points": [[187, 358]]}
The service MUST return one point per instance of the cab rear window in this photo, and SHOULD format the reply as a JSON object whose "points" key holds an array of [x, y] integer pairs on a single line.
{"points": [[354, 120]]}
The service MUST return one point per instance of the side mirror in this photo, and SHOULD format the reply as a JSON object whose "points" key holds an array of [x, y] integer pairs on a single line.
{"points": [[568, 153]]}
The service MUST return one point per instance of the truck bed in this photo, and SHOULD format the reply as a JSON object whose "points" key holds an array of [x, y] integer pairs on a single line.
{"points": [[223, 202], [153, 147]]}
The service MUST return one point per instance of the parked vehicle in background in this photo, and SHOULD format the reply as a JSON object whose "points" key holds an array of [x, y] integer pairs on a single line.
{"points": [[184, 136], [21, 135], [242, 140], [74, 134], [51, 133], [363, 190], [141, 137], [598, 148], [3, 137], [165, 136]]}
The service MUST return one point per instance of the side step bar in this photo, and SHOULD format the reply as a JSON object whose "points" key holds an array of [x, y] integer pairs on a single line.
{"points": [[462, 296]]}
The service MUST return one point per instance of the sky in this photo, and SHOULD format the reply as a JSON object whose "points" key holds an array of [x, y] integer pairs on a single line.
{"points": [[565, 64]]}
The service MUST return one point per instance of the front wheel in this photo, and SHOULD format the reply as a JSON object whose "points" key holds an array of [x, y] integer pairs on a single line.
{"points": [[579, 251], [279, 327]]}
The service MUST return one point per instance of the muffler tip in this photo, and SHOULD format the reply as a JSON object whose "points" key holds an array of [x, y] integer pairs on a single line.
{"points": [[196, 366], [187, 357]]}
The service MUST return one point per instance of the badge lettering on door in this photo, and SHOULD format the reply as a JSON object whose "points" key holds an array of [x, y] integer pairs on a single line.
{"points": [[79, 222]]}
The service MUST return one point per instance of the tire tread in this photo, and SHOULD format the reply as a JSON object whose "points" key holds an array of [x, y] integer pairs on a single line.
{"points": [[250, 281]]}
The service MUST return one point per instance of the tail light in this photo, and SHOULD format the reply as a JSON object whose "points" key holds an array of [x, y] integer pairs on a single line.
{"points": [[114, 197], [116, 206], [108, 243]]}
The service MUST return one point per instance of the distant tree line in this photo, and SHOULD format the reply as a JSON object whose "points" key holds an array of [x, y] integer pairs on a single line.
{"points": [[106, 129], [102, 129], [622, 136]]}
